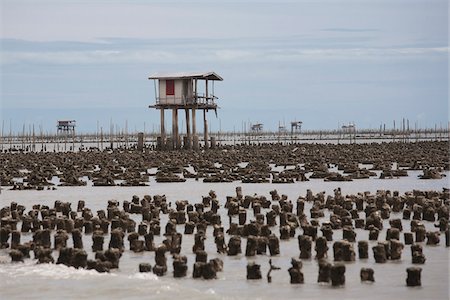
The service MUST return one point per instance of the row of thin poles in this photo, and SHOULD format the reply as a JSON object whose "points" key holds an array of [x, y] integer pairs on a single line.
{"points": [[33, 138]]}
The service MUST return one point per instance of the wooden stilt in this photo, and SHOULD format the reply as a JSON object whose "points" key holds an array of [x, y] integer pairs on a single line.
{"points": [[188, 130], [175, 128], [163, 130], [205, 129], [194, 125], [194, 130]]}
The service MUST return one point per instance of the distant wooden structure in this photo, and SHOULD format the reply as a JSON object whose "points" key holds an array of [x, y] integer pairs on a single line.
{"points": [[282, 129], [296, 127], [183, 91], [350, 128], [256, 128], [349, 131], [66, 127]]}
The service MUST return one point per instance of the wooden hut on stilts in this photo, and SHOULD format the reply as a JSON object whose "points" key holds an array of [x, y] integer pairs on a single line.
{"points": [[189, 92]]}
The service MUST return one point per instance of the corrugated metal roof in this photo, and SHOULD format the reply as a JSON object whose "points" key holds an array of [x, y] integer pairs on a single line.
{"points": [[185, 75]]}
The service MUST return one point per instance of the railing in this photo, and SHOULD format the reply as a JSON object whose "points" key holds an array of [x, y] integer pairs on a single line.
{"points": [[205, 100], [196, 99]]}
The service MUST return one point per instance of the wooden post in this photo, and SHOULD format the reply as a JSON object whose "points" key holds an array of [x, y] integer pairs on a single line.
{"points": [[126, 134], [34, 141], [393, 134], [177, 137], [206, 91], [163, 130], [194, 130], [73, 139], [195, 91], [23, 137], [194, 124], [3, 136], [111, 129], [205, 130], [205, 121], [188, 129], [10, 135], [96, 137], [101, 138], [140, 143], [42, 138], [66, 132], [175, 128]]}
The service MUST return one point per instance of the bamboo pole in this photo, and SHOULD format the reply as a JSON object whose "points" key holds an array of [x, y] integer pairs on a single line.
{"points": [[96, 137], [101, 137], [3, 136], [10, 134]]}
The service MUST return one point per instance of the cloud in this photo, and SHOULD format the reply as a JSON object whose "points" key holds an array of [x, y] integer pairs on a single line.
{"points": [[232, 55], [351, 30], [206, 51], [86, 57]]}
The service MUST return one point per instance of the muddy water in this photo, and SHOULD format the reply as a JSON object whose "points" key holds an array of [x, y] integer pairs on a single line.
{"points": [[28, 280]]}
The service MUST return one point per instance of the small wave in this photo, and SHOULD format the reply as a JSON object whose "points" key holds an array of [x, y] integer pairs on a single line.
{"points": [[210, 292], [53, 271], [4, 259], [143, 276]]}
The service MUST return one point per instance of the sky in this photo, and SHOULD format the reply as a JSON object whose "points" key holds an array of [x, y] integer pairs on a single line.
{"points": [[324, 62]]}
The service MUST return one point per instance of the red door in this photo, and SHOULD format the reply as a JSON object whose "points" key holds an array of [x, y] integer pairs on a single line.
{"points": [[170, 88]]}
